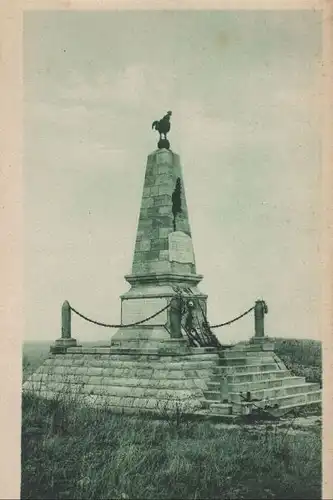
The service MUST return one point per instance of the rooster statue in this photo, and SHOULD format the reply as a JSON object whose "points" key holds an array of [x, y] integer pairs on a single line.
{"points": [[163, 126]]}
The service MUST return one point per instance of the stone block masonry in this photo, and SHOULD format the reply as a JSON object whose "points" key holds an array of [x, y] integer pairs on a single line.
{"points": [[201, 381], [163, 252], [157, 218], [151, 382]]}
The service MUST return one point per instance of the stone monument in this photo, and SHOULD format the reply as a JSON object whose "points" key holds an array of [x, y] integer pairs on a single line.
{"points": [[172, 359], [163, 260]]}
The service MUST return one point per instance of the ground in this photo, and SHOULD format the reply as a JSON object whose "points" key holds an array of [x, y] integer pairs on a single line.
{"points": [[72, 453]]}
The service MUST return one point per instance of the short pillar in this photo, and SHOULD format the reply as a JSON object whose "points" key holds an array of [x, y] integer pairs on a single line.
{"points": [[259, 338], [66, 339], [175, 316], [260, 309], [224, 389], [66, 320]]}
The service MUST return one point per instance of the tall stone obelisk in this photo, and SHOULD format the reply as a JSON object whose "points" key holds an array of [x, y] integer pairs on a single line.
{"points": [[163, 256]]}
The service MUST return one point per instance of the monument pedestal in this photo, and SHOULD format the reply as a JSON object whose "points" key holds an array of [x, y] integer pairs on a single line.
{"points": [[65, 342], [147, 296]]}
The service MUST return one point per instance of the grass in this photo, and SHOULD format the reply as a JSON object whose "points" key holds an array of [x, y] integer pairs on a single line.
{"points": [[302, 357], [78, 453], [71, 453]]}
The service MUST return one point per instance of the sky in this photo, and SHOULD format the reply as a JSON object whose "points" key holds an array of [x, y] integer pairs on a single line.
{"points": [[243, 87]]}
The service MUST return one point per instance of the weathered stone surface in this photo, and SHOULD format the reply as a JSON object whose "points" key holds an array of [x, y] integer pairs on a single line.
{"points": [[144, 245], [147, 202], [138, 309], [162, 200], [159, 266], [180, 268], [180, 248], [162, 171], [163, 255], [159, 383]]}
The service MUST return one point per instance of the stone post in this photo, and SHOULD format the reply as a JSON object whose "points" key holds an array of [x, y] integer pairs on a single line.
{"points": [[260, 309], [176, 317], [66, 320], [224, 389], [66, 339], [259, 338]]}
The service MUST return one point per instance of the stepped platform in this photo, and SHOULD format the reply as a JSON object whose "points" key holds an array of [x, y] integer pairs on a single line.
{"points": [[200, 382]]}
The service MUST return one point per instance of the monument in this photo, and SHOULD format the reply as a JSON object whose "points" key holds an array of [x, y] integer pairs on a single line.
{"points": [[164, 355], [163, 262]]}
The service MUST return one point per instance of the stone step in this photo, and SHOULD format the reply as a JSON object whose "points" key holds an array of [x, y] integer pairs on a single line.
{"points": [[204, 350], [292, 400], [283, 410], [248, 361], [232, 361], [128, 401], [129, 391], [276, 392], [151, 352], [174, 383], [212, 395], [146, 351], [265, 384], [219, 408], [181, 364], [267, 389], [128, 372], [247, 368], [233, 353], [235, 377], [79, 373]]}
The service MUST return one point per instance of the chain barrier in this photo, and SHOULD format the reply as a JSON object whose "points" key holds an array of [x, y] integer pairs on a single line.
{"points": [[119, 326], [179, 292], [233, 320]]}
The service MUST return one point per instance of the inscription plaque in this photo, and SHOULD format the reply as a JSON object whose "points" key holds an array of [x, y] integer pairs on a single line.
{"points": [[181, 248], [133, 310]]}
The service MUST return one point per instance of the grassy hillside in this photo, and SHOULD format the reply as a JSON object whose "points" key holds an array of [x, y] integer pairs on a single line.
{"points": [[70, 453], [33, 355], [302, 356]]}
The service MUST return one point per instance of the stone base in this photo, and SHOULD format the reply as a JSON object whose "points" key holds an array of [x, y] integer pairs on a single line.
{"points": [[61, 345], [144, 344], [201, 382], [140, 337], [163, 144], [62, 342], [147, 296], [261, 343], [132, 380]]}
